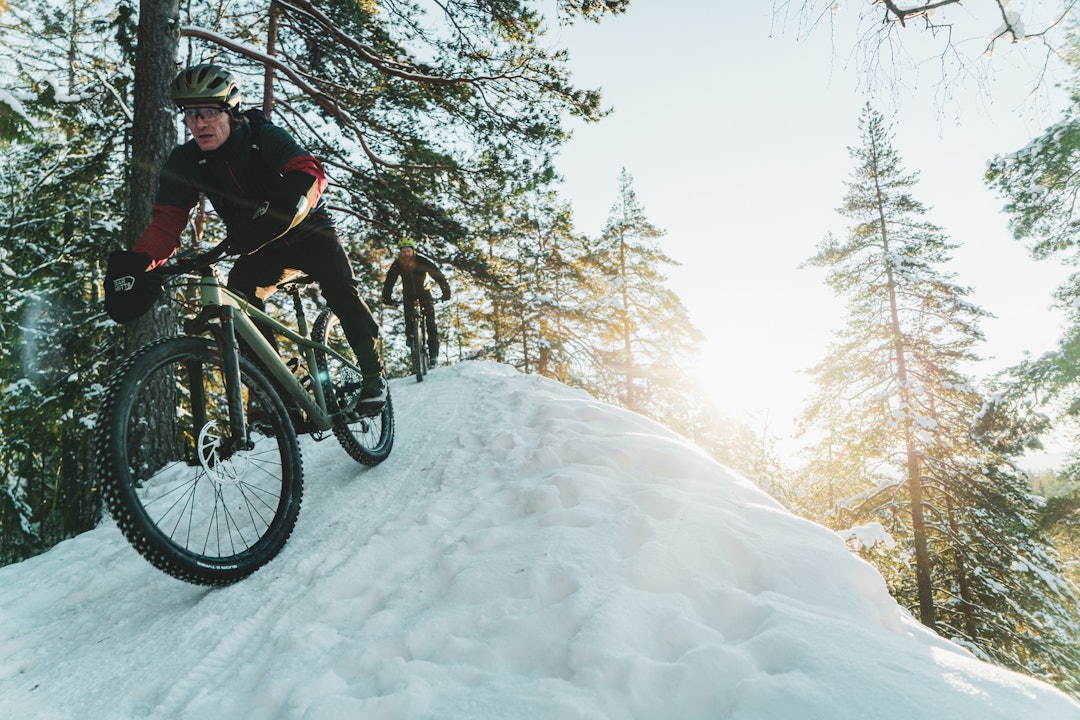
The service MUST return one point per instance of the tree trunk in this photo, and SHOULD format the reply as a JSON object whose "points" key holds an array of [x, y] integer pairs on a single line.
{"points": [[918, 525], [153, 136], [268, 73], [154, 127], [914, 474], [628, 376], [970, 626]]}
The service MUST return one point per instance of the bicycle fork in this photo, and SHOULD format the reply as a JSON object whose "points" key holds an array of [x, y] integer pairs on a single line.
{"points": [[225, 335], [230, 363]]}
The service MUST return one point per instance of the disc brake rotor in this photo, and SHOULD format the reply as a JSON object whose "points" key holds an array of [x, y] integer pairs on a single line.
{"points": [[219, 466]]}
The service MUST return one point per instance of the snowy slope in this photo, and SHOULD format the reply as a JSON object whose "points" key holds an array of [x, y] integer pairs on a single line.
{"points": [[525, 552]]}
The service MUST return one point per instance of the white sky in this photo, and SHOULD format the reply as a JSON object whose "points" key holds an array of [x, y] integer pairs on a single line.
{"points": [[736, 133], [524, 552]]}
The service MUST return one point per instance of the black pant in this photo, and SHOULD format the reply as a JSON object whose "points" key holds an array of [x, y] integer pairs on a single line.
{"points": [[428, 305], [320, 255]]}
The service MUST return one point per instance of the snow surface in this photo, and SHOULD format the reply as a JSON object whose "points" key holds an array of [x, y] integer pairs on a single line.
{"points": [[525, 552]]}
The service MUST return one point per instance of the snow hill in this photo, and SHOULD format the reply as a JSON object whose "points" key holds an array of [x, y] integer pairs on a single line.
{"points": [[525, 552]]}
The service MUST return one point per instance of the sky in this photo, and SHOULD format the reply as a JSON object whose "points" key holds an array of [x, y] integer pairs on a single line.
{"points": [[524, 552], [735, 125]]}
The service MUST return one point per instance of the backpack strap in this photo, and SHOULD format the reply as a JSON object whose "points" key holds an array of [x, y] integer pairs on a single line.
{"points": [[256, 119]]}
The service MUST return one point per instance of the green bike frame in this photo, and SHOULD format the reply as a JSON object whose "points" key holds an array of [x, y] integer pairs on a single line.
{"points": [[237, 312]]}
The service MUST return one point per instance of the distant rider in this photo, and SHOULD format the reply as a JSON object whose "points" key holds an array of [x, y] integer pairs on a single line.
{"points": [[414, 270]]}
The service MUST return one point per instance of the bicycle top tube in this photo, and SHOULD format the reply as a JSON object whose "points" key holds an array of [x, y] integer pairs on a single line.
{"points": [[212, 292]]}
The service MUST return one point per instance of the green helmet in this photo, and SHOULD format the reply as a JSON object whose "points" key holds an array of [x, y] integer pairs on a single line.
{"points": [[407, 242], [206, 84]]}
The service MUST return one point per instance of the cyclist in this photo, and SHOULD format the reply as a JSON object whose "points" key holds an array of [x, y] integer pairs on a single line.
{"points": [[268, 191], [414, 270]]}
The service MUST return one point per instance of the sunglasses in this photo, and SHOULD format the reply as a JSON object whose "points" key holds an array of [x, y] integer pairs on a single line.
{"points": [[208, 114]]}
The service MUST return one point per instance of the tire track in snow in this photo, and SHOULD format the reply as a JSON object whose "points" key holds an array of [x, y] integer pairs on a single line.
{"points": [[371, 497], [220, 662], [345, 507]]}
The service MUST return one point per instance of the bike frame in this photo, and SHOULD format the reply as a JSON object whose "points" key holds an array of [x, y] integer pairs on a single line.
{"points": [[237, 318]]}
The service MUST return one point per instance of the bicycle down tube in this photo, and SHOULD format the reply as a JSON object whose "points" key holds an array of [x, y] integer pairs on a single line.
{"points": [[211, 292]]}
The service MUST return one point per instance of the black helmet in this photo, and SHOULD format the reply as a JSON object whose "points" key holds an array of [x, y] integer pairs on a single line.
{"points": [[206, 84]]}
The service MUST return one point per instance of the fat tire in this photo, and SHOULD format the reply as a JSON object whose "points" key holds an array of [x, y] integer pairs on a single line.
{"points": [[367, 440], [261, 508]]}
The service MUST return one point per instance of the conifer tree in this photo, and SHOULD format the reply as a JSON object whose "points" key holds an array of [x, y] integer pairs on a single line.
{"points": [[532, 279], [643, 330], [907, 441], [564, 345], [547, 256], [1040, 184], [61, 201]]}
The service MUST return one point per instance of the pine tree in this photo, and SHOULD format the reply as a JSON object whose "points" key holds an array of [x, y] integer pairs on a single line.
{"points": [[553, 332], [529, 272], [906, 440], [1040, 184], [644, 331], [61, 200]]}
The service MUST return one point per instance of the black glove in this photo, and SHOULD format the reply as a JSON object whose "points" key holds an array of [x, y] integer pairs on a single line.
{"points": [[391, 302], [445, 296], [129, 290]]}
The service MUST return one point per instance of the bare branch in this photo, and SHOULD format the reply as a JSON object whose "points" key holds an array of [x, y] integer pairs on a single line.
{"points": [[964, 33], [902, 14]]}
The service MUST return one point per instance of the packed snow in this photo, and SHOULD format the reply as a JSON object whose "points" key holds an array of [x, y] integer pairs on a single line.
{"points": [[525, 552]]}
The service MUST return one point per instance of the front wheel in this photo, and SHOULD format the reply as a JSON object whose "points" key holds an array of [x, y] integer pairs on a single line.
{"points": [[198, 503], [366, 438], [419, 350]]}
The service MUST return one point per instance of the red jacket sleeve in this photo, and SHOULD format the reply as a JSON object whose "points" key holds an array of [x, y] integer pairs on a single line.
{"points": [[311, 166], [162, 236]]}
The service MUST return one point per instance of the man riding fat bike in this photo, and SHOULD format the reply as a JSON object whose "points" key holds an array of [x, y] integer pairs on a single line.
{"points": [[268, 191], [415, 270]]}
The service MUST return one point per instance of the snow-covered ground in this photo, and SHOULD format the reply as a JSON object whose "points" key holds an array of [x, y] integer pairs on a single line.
{"points": [[525, 552]]}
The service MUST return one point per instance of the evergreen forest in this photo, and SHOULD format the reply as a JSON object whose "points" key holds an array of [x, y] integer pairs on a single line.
{"points": [[441, 121]]}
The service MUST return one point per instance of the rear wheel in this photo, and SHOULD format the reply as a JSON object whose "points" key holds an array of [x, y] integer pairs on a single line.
{"points": [[198, 503], [367, 439]]}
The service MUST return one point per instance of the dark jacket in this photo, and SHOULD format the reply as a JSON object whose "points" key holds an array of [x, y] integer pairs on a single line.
{"points": [[414, 281], [237, 177]]}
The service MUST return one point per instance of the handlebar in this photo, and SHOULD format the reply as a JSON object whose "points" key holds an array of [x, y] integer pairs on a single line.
{"points": [[394, 302], [192, 260]]}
